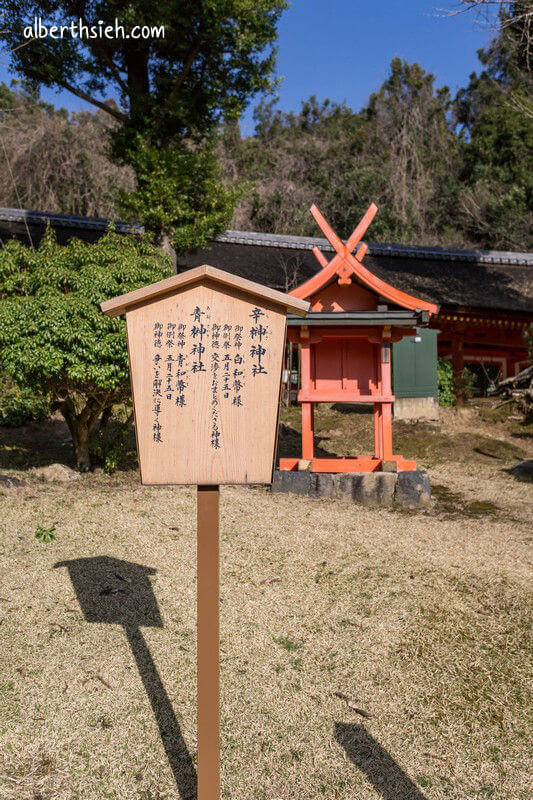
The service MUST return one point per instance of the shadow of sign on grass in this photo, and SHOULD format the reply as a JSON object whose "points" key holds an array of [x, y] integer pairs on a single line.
{"points": [[118, 592], [383, 772]]}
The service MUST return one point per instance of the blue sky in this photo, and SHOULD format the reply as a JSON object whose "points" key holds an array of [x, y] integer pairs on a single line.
{"points": [[341, 49]]}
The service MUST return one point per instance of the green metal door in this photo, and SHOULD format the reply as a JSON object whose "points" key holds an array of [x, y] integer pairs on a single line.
{"points": [[414, 365]]}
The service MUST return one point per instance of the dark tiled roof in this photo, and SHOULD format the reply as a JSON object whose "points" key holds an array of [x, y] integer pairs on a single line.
{"points": [[15, 223], [65, 220], [476, 279], [405, 250], [485, 279]]}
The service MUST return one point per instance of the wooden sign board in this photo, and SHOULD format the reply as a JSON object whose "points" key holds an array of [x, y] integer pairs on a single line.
{"points": [[206, 351]]}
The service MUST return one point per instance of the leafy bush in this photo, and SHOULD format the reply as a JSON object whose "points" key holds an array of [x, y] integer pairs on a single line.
{"points": [[450, 387], [179, 191], [445, 382], [465, 383], [55, 340], [20, 405]]}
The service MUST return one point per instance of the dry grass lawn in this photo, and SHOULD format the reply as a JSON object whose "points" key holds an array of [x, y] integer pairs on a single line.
{"points": [[420, 619]]}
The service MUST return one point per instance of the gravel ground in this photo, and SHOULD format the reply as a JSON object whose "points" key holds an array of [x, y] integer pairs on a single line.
{"points": [[420, 620]]}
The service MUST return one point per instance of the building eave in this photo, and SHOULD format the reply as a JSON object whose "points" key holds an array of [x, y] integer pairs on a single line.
{"points": [[361, 318], [378, 249], [66, 220]]}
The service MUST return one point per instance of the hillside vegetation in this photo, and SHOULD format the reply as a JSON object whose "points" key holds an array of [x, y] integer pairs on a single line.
{"points": [[444, 170]]}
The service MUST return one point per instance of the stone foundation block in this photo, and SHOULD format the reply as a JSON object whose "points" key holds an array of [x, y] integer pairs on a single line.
{"points": [[409, 490], [413, 489], [289, 481], [369, 488], [345, 487], [416, 408], [322, 484]]}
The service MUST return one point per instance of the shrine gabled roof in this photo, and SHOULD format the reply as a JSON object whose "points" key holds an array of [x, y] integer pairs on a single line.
{"points": [[366, 278], [119, 305], [347, 266]]}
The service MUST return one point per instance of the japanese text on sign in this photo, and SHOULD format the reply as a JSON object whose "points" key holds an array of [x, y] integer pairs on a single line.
{"points": [[199, 348]]}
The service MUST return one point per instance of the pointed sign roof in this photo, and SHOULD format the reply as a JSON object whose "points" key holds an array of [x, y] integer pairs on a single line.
{"points": [[345, 266], [119, 305]]}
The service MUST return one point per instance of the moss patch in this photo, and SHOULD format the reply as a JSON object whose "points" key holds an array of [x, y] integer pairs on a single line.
{"points": [[455, 503], [350, 432]]}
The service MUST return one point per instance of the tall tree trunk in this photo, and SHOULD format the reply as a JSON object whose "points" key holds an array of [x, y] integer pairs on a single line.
{"points": [[81, 448], [81, 426]]}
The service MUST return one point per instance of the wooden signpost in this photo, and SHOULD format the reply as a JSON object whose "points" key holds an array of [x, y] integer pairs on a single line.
{"points": [[206, 352]]}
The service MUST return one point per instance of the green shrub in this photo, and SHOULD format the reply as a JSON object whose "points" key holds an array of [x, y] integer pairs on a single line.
{"points": [[450, 387], [54, 338], [20, 405], [465, 384], [45, 535], [446, 383]]}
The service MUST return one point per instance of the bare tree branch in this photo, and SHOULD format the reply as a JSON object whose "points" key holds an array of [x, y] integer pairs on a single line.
{"points": [[96, 46], [98, 103]]}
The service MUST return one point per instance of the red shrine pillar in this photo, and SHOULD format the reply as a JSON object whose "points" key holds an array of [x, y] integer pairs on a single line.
{"points": [[308, 431], [378, 432], [308, 417], [386, 408], [383, 410]]}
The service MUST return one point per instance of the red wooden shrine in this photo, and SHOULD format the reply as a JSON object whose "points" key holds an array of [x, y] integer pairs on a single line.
{"points": [[345, 347]]}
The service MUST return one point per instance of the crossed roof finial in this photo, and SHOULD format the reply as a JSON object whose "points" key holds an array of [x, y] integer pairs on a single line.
{"points": [[346, 266], [344, 258]]}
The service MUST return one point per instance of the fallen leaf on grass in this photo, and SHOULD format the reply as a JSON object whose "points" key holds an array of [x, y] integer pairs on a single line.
{"points": [[95, 676], [45, 535], [353, 707]]}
